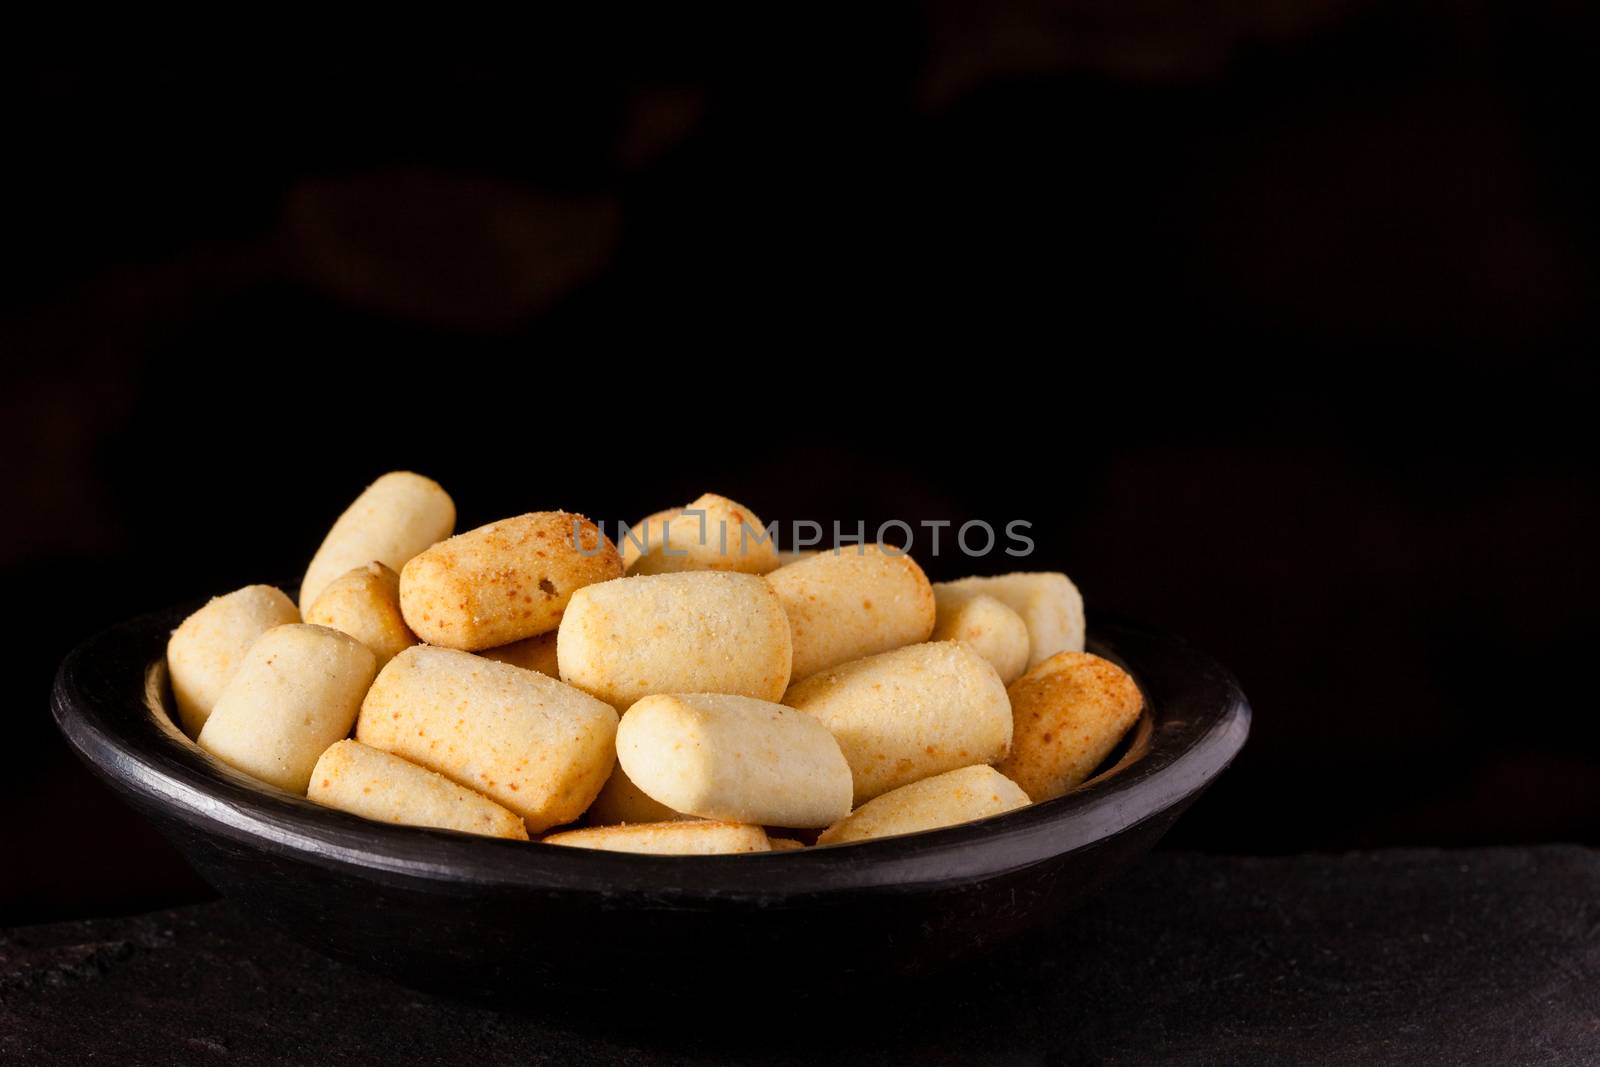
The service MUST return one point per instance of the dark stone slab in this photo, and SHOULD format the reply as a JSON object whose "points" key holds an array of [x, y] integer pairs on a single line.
{"points": [[1404, 957]]}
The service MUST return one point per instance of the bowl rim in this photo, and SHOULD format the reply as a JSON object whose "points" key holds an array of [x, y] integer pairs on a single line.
{"points": [[1201, 720]]}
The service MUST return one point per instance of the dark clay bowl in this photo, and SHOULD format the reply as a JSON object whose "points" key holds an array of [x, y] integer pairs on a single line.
{"points": [[511, 922]]}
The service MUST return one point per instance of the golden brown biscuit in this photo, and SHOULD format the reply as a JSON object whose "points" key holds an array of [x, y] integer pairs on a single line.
{"points": [[1068, 713], [505, 581]]}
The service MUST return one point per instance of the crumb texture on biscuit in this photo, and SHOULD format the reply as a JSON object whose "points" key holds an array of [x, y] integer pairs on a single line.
{"points": [[949, 799], [693, 632], [504, 582], [376, 785], [735, 759], [207, 648], [851, 602], [1068, 713], [907, 714], [392, 520], [528, 742]]}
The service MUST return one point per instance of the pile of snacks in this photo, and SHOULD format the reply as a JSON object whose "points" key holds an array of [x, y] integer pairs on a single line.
{"points": [[695, 692]]}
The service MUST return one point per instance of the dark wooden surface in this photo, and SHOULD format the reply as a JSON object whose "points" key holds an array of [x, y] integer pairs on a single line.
{"points": [[1483, 956]]}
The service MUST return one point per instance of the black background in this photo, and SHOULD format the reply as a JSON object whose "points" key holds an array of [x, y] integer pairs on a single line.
{"points": [[1276, 322]]}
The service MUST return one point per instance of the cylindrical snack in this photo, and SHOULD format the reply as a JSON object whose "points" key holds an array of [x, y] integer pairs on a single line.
{"points": [[697, 632], [531, 654], [711, 534], [1068, 713], [396, 517], [987, 626], [621, 801], [735, 759], [207, 647], [296, 693], [505, 581], [696, 838], [1048, 602], [852, 602], [541, 748], [783, 844], [365, 603], [946, 799], [907, 714], [375, 785]]}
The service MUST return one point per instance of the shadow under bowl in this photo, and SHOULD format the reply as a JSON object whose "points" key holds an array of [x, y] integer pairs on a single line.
{"points": [[511, 923]]}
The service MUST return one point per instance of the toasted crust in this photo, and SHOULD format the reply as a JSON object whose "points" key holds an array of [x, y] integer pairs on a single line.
{"points": [[371, 783], [904, 715], [1068, 713], [948, 799], [697, 838], [853, 602], [504, 582]]}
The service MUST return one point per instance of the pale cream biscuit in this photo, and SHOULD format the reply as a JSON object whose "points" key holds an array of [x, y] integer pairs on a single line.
{"points": [[851, 602], [696, 632], [296, 693], [697, 838], [711, 534], [1048, 602], [735, 759], [621, 801], [528, 742], [904, 715], [947, 799], [207, 647], [393, 519], [376, 785], [987, 626], [365, 603]]}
